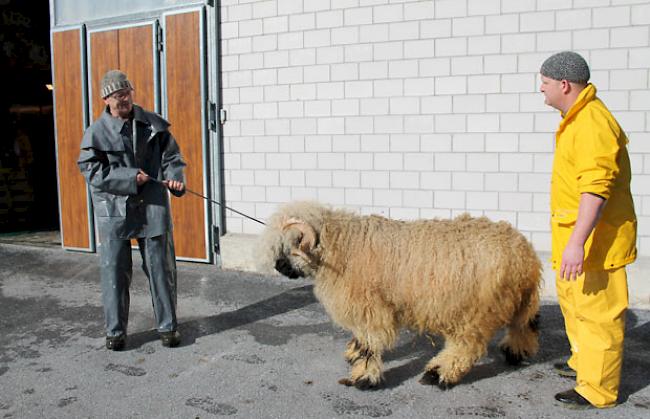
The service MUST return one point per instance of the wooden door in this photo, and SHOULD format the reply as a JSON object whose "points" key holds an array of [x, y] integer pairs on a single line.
{"points": [[69, 117], [185, 92]]}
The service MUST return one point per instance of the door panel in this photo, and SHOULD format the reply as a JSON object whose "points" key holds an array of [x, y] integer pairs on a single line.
{"points": [[69, 120], [127, 49], [136, 54], [103, 57], [184, 87]]}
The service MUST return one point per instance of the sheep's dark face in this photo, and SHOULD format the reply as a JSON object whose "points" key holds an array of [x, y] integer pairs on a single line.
{"points": [[294, 257], [289, 246], [284, 266]]}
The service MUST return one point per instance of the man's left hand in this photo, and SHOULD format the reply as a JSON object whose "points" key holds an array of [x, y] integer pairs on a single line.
{"points": [[174, 185], [572, 260]]}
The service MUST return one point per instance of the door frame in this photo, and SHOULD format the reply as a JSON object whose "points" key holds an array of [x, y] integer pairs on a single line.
{"points": [[210, 86], [217, 117]]}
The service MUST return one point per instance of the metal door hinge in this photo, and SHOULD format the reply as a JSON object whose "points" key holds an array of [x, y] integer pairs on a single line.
{"points": [[215, 237], [212, 116], [160, 40]]}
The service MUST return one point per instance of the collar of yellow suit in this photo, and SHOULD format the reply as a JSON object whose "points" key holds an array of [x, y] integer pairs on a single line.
{"points": [[587, 95]]}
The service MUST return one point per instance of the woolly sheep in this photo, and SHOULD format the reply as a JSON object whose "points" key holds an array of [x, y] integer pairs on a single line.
{"points": [[463, 279]]}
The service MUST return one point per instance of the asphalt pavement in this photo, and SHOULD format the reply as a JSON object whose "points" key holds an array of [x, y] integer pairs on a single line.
{"points": [[253, 346]]}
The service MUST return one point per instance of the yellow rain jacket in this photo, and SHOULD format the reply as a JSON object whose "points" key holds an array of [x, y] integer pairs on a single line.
{"points": [[591, 157]]}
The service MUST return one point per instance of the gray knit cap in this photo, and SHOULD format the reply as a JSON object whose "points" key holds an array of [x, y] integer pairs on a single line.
{"points": [[566, 65], [113, 81]]}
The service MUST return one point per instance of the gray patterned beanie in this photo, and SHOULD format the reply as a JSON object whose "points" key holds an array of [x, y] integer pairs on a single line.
{"points": [[113, 81], [566, 65]]}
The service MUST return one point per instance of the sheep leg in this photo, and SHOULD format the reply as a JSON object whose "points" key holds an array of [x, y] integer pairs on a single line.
{"points": [[520, 341], [353, 351], [367, 366], [448, 367], [521, 336]]}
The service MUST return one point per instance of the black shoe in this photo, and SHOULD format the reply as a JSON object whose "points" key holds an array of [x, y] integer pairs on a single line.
{"points": [[565, 370], [170, 339], [573, 400], [115, 343]]}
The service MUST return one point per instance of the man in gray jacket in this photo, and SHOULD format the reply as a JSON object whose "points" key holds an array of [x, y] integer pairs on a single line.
{"points": [[130, 160]]}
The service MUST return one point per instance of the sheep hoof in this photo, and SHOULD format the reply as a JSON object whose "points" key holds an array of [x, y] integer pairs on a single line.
{"points": [[346, 382], [432, 378], [365, 384], [445, 385], [511, 357], [361, 384]]}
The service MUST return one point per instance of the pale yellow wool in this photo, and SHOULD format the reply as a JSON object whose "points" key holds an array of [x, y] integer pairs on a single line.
{"points": [[463, 279]]}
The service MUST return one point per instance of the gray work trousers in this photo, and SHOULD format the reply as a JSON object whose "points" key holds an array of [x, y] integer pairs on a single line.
{"points": [[158, 263]]}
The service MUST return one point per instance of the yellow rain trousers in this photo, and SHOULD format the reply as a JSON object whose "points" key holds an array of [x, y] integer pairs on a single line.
{"points": [[591, 157], [594, 308]]}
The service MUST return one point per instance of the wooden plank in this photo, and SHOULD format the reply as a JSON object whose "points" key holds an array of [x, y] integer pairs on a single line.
{"points": [[68, 113], [183, 78], [103, 57], [136, 60]]}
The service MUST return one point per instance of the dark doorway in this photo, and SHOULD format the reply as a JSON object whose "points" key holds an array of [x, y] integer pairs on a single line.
{"points": [[28, 186]]}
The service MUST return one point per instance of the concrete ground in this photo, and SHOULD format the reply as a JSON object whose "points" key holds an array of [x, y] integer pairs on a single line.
{"points": [[253, 346]]}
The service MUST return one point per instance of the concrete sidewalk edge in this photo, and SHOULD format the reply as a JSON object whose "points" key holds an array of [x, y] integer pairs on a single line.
{"points": [[237, 254]]}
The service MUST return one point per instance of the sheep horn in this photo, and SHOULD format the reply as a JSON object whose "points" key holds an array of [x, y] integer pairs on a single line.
{"points": [[308, 240]]}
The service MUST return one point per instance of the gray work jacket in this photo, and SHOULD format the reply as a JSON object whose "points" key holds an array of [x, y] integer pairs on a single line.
{"points": [[123, 209]]}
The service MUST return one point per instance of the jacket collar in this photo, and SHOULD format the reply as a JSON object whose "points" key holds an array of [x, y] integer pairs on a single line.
{"points": [[153, 124], [153, 120], [587, 95], [112, 124]]}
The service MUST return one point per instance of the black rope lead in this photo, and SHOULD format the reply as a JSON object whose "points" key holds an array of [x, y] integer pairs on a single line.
{"points": [[216, 202]]}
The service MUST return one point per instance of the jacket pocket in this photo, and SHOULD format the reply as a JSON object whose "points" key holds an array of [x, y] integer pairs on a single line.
{"points": [[108, 205], [564, 217]]}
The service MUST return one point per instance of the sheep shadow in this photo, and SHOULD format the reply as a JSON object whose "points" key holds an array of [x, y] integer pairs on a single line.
{"points": [[292, 299], [554, 347]]}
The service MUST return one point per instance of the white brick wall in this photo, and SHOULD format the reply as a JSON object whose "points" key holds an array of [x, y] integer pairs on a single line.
{"points": [[414, 108]]}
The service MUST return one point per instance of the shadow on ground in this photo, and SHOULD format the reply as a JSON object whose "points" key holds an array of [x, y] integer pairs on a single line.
{"points": [[292, 299], [416, 350]]}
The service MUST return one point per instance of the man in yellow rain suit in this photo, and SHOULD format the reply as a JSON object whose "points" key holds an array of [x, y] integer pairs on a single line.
{"points": [[593, 229]]}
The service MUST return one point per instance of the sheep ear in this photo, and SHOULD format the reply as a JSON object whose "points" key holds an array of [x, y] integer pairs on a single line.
{"points": [[302, 255], [307, 236]]}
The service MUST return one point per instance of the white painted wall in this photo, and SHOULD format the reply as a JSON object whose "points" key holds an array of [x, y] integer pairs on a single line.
{"points": [[419, 108]]}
